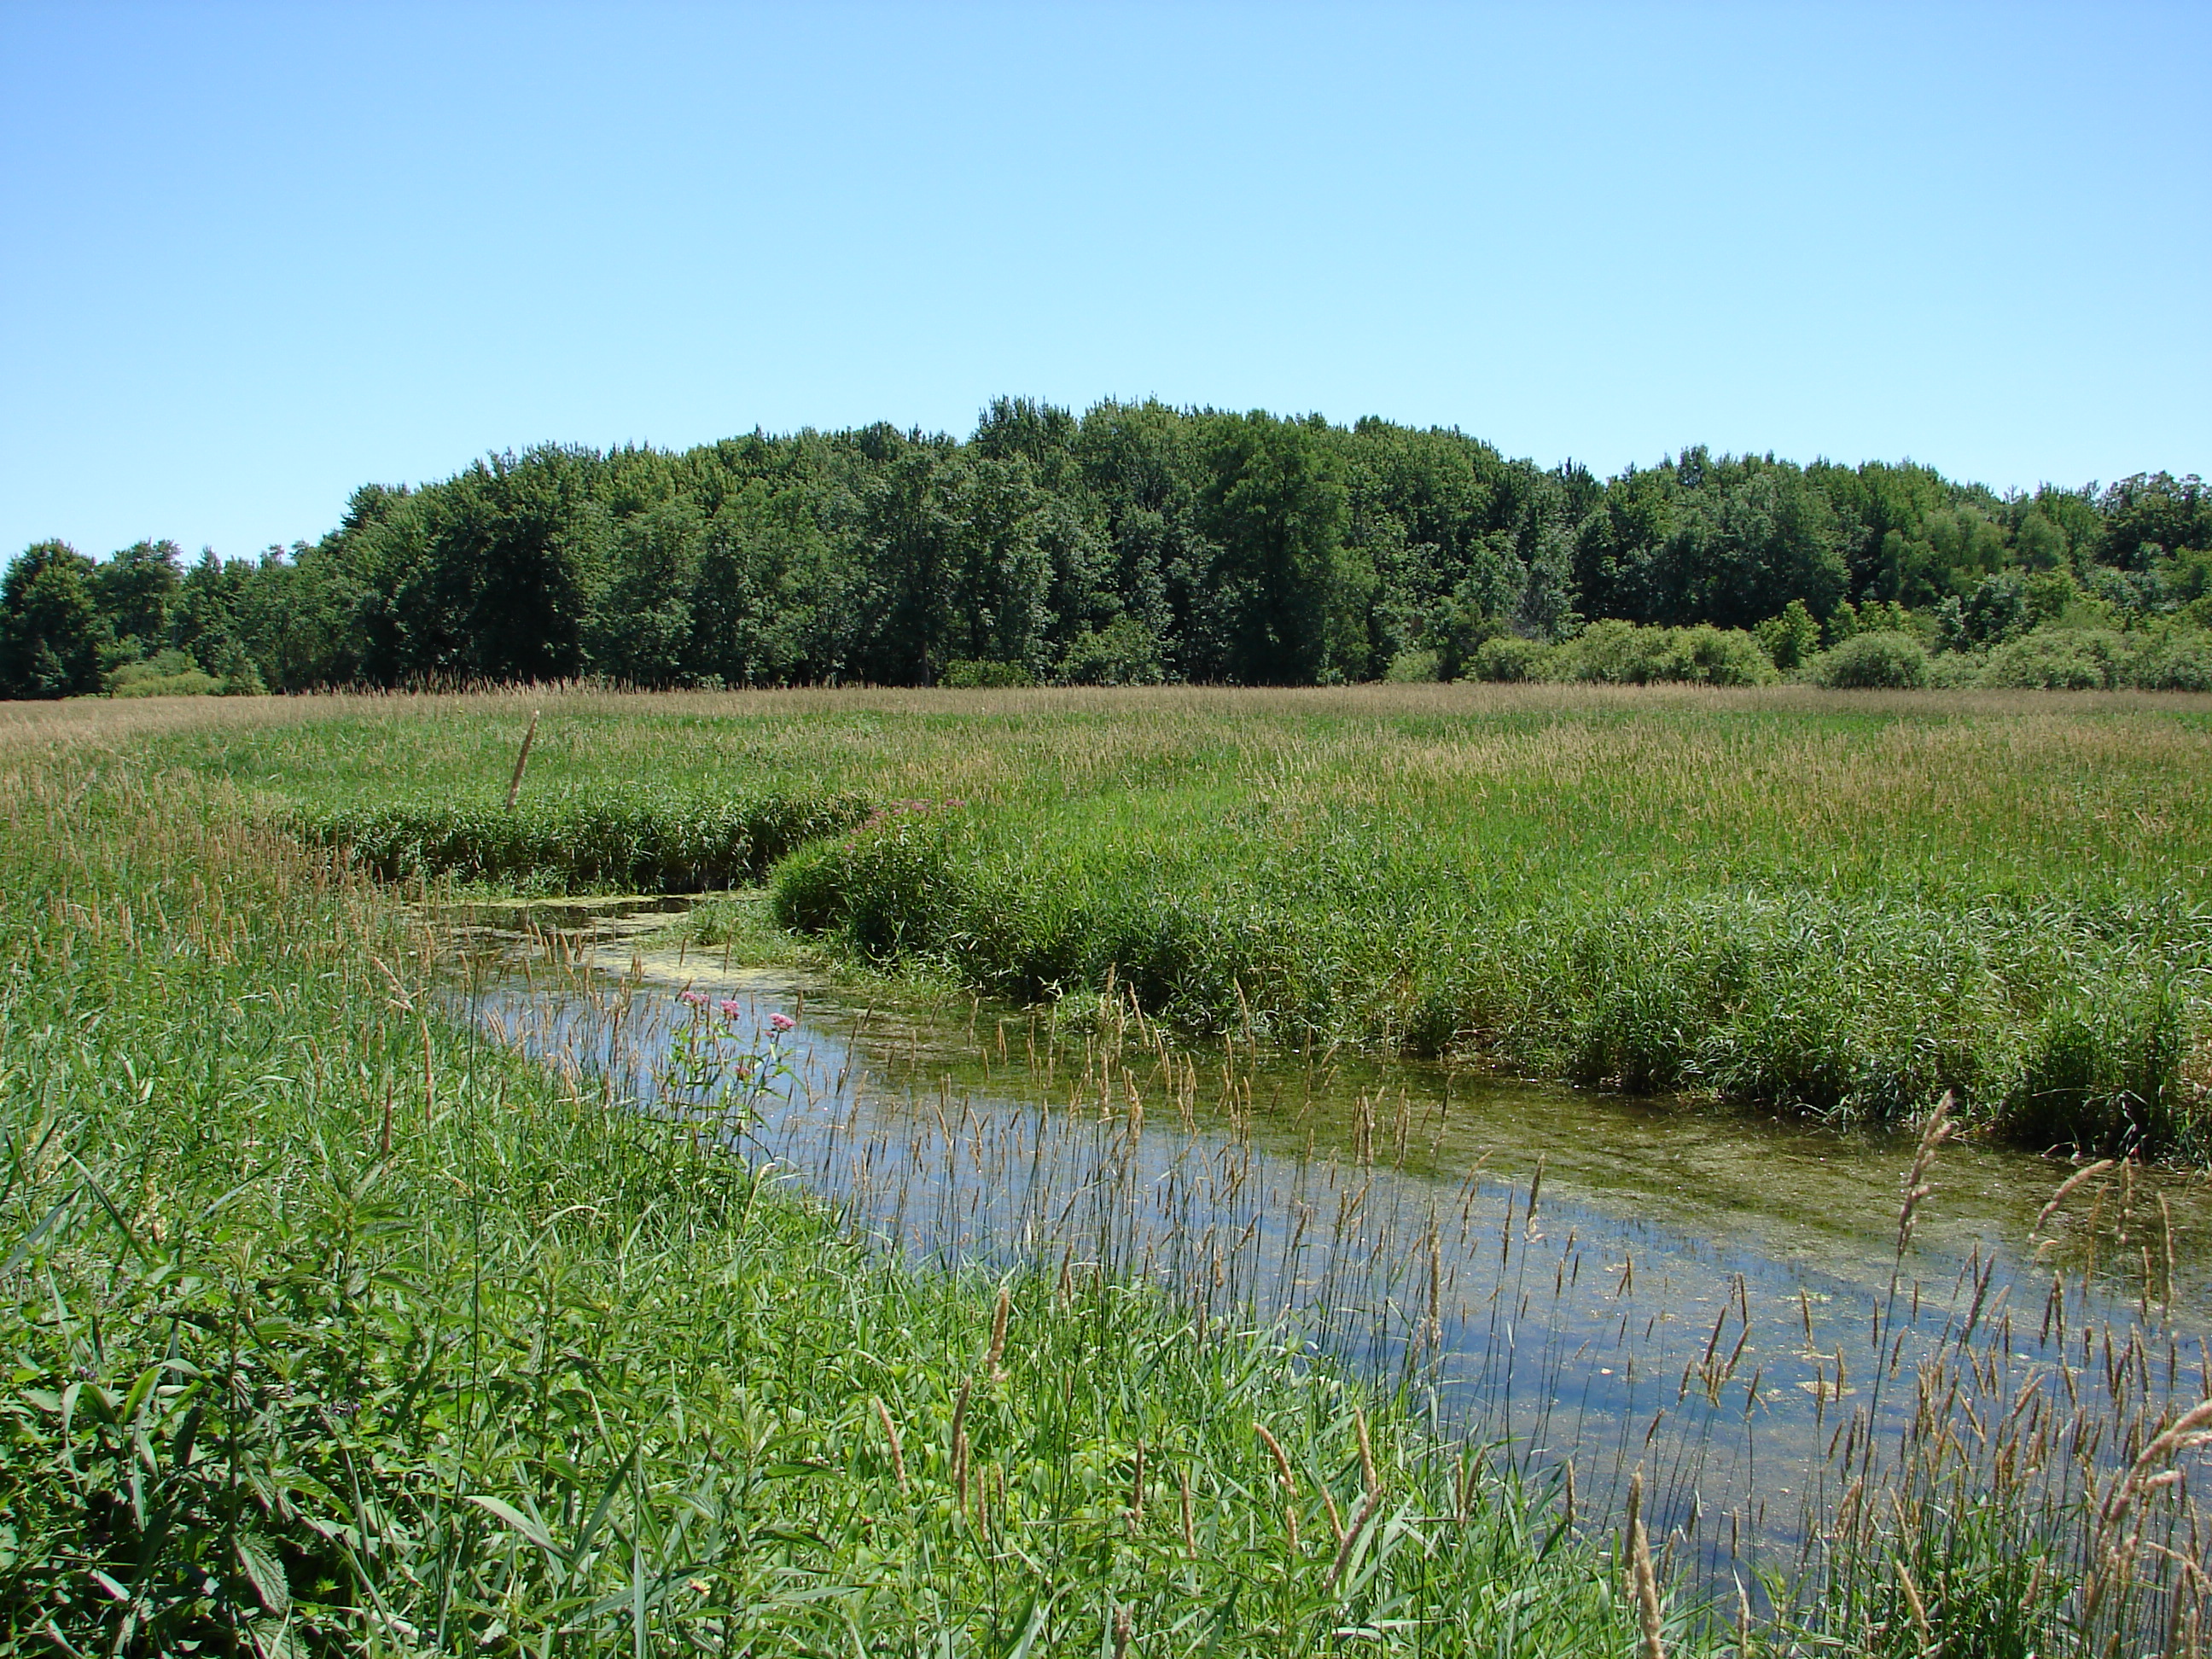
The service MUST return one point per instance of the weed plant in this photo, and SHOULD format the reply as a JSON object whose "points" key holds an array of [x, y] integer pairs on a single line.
{"points": [[1837, 902], [648, 841], [331, 1328]]}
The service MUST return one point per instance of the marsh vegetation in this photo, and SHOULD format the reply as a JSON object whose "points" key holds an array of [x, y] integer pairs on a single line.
{"points": [[340, 1323]]}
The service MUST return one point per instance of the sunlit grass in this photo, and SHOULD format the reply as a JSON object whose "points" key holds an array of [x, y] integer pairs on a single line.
{"points": [[1843, 903], [332, 1327]]}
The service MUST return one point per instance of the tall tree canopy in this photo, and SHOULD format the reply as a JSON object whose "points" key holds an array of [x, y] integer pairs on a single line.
{"points": [[1134, 541]]}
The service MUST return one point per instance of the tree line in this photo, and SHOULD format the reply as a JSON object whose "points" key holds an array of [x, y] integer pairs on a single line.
{"points": [[1133, 543]]}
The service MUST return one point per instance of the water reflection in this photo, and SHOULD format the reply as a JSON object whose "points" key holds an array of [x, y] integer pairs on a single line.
{"points": [[1596, 1285]]}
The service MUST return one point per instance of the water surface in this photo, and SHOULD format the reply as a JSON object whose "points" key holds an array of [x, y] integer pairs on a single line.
{"points": [[1603, 1282]]}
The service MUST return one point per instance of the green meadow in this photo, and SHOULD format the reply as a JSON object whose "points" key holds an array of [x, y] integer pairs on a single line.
{"points": [[330, 1327], [333, 1327], [1836, 904]]}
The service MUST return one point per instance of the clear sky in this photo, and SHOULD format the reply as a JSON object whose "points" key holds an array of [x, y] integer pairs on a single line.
{"points": [[257, 255]]}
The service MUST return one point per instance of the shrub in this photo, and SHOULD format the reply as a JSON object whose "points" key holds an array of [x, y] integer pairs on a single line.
{"points": [[1411, 667], [2174, 660], [1615, 653], [2065, 657], [1720, 656], [165, 674], [2061, 660], [1873, 662], [1956, 671], [1123, 653], [977, 674], [1847, 621], [1791, 638], [1618, 652], [1510, 658]]}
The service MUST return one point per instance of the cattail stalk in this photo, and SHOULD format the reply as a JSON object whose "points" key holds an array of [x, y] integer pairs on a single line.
{"points": [[990, 1367], [521, 760], [891, 1434], [1290, 1485]]}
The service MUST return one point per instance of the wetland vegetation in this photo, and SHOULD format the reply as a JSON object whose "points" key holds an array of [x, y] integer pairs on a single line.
{"points": [[1787, 900], [337, 1324]]}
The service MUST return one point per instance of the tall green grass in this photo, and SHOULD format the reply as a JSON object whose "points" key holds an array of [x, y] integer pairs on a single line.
{"points": [[2060, 1022], [332, 1328], [1836, 902], [645, 840]]}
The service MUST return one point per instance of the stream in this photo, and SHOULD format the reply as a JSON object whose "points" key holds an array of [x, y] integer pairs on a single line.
{"points": [[1589, 1283]]}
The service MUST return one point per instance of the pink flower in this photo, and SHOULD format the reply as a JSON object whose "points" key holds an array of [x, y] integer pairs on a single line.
{"points": [[692, 999], [729, 1010], [782, 1022]]}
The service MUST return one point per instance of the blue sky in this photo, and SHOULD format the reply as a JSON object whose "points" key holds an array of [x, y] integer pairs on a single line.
{"points": [[255, 256]]}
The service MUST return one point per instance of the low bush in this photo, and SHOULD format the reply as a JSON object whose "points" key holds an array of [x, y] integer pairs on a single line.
{"points": [[2173, 658], [646, 843], [1509, 658], [1956, 671], [2165, 658], [972, 674], [1869, 662], [1791, 639], [1412, 667], [1123, 653], [1721, 656], [2062, 659], [1618, 652], [192, 683], [165, 674]]}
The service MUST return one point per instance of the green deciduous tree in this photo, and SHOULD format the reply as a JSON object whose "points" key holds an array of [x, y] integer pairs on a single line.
{"points": [[1287, 596], [639, 627], [1793, 638], [135, 588], [51, 629], [1132, 540]]}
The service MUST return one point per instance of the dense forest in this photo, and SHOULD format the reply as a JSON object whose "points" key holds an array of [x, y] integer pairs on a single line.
{"points": [[1133, 544]]}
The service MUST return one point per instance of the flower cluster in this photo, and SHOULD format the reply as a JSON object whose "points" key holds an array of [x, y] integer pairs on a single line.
{"points": [[712, 1070], [730, 1009]]}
